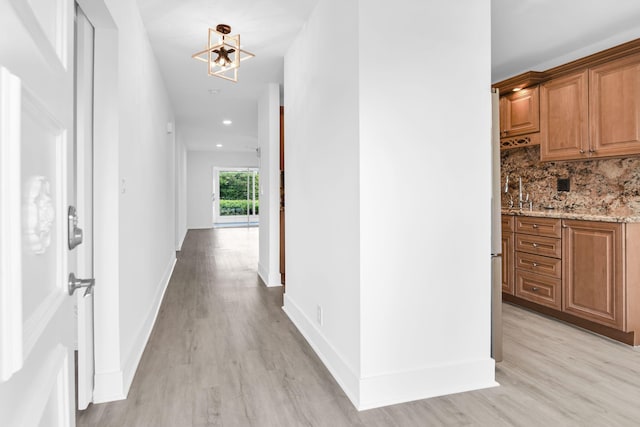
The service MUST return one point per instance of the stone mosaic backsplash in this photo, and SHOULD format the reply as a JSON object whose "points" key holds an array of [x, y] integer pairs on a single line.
{"points": [[605, 186]]}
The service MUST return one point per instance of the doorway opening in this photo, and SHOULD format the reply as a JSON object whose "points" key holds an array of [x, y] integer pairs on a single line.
{"points": [[236, 194]]}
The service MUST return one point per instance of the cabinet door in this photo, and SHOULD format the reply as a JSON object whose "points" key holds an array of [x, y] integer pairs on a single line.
{"points": [[520, 113], [614, 107], [507, 263], [564, 118], [592, 272]]}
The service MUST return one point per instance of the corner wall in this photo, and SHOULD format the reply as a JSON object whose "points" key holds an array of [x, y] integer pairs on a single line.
{"points": [[181, 189], [269, 143], [406, 304], [323, 188], [425, 146], [135, 194]]}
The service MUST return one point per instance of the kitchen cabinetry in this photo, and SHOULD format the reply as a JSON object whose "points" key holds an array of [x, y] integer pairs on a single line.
{"points": [[593, 113], [538, 249], [564, 108], [614, 107], [583, 272], [520, 112], [593, 272], [507, 254]]}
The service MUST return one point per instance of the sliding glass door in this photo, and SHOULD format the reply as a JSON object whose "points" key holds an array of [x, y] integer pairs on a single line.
{"points": [[236, 196]]}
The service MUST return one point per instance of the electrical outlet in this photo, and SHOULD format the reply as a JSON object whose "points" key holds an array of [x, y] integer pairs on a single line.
{"points": [[319, 315], [564, 184]]}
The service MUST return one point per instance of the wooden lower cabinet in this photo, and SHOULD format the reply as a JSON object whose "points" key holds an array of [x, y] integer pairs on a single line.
{"points": [[538, 248], [593, 272], [508, 254], [593, 282], [507, 263]]}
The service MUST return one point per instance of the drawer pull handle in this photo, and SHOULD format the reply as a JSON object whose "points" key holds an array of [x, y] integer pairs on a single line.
{"points": [[535, 225], [535, 245], [535, 289], [535, 264]]}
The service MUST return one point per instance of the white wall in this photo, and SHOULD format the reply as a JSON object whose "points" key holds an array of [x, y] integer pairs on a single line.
{"points": [[323, 187], [200, 166], [425, 148], [181, 189], [135, 194], [269, 143], [406, 304]]}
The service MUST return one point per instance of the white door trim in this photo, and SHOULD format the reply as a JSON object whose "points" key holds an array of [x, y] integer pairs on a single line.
{"points": [[10, 226]]}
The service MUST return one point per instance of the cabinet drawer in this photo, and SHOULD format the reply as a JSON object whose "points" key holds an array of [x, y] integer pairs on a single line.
{"points": [[539, 264], [540, 289], [538, 245], [507, 223], [549, 227]]}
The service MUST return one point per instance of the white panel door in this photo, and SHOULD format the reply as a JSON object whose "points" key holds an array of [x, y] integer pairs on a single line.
{"points": [[84, 202], [37, 326]]}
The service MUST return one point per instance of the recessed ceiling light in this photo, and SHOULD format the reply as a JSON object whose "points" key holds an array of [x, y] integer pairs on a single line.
{"points": [[219, 145], [227, 122]]}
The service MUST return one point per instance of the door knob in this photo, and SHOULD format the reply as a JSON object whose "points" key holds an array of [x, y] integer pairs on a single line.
{"points": [[74, 236], [75, 283]]}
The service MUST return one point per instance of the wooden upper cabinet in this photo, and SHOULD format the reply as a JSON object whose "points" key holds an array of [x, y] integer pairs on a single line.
{"points": [[614, 107], [520, 112], [593, 272], [564, 108]]}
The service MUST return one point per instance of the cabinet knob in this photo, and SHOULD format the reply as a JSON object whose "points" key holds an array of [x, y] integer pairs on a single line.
{"points": [[535, 225], [581, 151], [535, 245], [534, 289], [535, 264], [592, 151]]}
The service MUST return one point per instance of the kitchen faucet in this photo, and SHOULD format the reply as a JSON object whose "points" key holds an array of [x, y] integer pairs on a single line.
{"points": [[523, 198], [526, 200]]}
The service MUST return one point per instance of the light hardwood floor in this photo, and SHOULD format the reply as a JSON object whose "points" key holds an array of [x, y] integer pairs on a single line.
{"points": [[223, 353]]}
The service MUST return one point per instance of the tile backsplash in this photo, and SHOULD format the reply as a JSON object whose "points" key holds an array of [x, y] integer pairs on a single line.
{"points": [[598, 186]]}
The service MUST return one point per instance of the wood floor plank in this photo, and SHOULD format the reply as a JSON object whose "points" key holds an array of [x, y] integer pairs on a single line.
{"points": [[223, 353]]}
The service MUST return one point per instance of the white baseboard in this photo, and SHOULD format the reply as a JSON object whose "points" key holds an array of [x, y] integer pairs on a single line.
{"points": [[109, 387], [200, 227], [133, 359], [270, 280], [346, 377], [398, 387], [394, 388]]}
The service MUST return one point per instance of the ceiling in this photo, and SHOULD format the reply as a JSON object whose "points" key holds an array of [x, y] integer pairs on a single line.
{"points": [[178, 28], [526, 35], [537, 35]]}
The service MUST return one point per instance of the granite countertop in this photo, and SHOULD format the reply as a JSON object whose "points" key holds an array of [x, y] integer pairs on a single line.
{"points": [[613, 215]]}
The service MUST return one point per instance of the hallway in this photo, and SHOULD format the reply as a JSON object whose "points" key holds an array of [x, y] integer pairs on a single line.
{"points": [[223, 353]]}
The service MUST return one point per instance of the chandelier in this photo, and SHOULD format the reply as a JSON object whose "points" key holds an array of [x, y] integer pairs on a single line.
{"points": [[223, 53]]}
